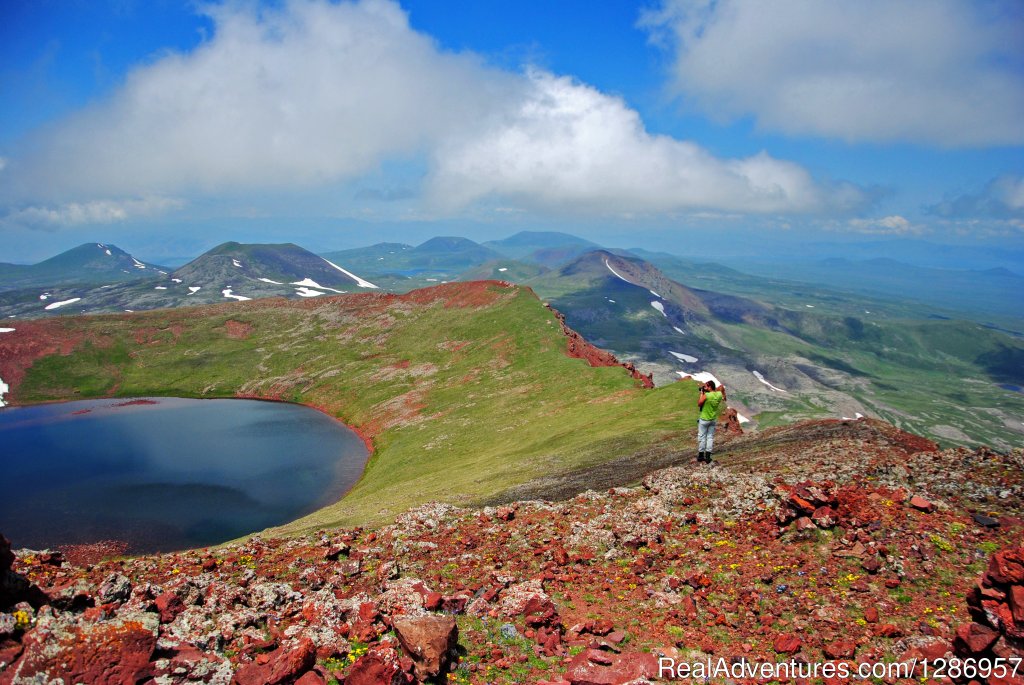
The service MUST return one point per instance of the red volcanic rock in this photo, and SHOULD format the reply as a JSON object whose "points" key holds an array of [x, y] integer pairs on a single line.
{"points": [[936, 649], [871, 615], [102, 653], [730, 422], [800, 504], [787, 643], [840, 649], [428, 640], [432, 601], [1007, 567], [1016, 597], [283, 665], [169, 605], [825, 517], [996, 604], [973, 639], [888, 630], [921, 504], [594, 667], [871, 564], [805, 523], [311, 678], [378, 667]]}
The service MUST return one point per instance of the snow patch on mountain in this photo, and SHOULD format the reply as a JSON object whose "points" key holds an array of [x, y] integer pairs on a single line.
{"points": [[359, 281], [227, 293], [58, 305], [758, 376]]}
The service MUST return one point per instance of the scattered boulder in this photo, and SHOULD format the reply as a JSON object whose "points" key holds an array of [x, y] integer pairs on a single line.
{"points": [[429, 640], [595, 667], [921, 504], [825, 517], [974, 638], [380, 666], [116, 588], [730, 422], [787, 643], [117, 651], [985, 521], [810, 504], [284, 665], [840, 649], [996, 604], [169, 605]]}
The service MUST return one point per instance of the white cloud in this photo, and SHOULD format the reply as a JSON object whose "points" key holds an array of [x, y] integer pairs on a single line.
{"points": [[291, 97], [1001, 198], [943, 72], [886, 225], [92, 212], [567, 144], [312, 93]]}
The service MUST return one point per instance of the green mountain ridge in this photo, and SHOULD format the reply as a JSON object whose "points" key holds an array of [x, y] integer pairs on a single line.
{"points": [[86, 264], [464, 390]]}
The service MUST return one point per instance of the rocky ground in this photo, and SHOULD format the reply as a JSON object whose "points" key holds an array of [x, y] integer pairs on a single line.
{"points": [[826, 540]]}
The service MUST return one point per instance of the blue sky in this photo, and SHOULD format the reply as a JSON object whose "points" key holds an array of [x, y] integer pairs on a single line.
{"points": [[166, 127]]}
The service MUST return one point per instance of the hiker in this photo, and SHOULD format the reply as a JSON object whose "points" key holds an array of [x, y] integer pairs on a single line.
{"points": [[710, 402]]}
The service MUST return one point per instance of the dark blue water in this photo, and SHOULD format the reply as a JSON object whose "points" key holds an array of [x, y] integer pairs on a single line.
{"points": [[1011, 387], [166, 476]]}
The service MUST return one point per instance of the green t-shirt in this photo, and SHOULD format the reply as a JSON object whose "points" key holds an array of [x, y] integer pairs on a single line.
{"points": [[712, 404]]}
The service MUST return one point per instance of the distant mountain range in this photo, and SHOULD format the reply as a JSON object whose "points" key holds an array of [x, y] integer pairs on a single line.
{"points": [[788, 350], [230, 271], [88, 263]]}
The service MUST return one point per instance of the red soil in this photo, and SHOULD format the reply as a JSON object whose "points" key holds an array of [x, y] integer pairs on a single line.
{"points": [[469, 294], [30, 341], [238, 330], [93, 553]]}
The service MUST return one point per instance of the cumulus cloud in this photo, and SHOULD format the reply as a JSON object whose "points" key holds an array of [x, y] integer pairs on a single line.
{"points": [[309, 93], [567, 144], [942, 72], [294, 96], [886, 225], [1001, 198], [92, 212]]}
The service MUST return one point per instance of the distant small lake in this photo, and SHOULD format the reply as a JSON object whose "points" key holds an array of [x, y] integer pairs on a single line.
{"points": [[1011, 387], [166, 474]]}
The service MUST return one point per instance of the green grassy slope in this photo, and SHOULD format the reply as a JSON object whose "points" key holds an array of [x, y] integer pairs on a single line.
{"points": [[463, 399]]}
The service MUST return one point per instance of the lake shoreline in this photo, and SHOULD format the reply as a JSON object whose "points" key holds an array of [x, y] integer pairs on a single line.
{"points": [[90, 552]]}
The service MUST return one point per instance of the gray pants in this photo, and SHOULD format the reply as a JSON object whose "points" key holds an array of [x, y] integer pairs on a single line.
{"points": [[705, 435]]}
